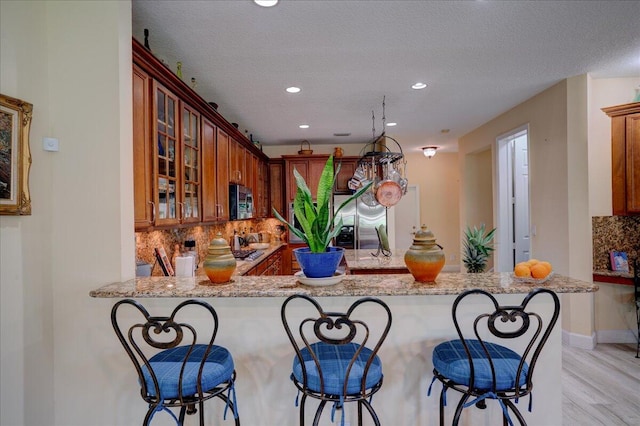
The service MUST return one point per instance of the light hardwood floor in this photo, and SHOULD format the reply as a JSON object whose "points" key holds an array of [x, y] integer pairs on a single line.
{"points": [[602, 386]]}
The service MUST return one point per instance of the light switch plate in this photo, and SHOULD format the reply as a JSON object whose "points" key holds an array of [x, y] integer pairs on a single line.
{"points": [[50, 144]]}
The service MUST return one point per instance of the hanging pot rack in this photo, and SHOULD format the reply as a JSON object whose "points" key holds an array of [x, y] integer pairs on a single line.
{"points": [[382, 163]]}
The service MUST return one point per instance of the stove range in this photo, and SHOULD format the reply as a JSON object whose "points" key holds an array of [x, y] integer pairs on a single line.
{"points": [[250, 254]]}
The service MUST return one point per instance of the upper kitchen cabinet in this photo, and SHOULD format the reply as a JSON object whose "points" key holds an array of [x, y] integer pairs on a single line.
{"points": [[310, 168], [237, 166], [276, 186], [185, 153], [625, 157], [143, 205], [348, 167], [215, 173]]}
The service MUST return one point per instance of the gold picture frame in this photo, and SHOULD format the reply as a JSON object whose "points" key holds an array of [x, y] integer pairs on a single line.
{"points": [[15, 156]]}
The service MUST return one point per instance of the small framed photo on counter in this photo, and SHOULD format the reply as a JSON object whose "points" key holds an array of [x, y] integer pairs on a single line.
{"points": [[164, 262], [619, 261]]}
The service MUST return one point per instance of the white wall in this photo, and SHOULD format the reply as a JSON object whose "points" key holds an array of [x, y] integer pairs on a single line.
{"points": [[72, 61]]}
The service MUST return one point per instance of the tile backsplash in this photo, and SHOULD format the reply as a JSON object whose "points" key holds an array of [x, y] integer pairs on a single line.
{"points": [[147, 242], [619, 233]]}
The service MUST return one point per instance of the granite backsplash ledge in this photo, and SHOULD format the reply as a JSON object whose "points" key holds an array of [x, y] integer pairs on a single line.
{"points": [[619, 233]]}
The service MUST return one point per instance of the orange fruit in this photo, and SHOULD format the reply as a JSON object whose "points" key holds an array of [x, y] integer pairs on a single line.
{"points": [[522, 270], [548, 265], [532, 262], [539, 271]]}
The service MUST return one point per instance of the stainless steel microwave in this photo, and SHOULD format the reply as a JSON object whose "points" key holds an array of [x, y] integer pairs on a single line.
{"points": [[240, 202]]}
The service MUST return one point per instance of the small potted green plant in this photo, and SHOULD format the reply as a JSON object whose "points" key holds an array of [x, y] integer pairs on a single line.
{"points": [[319, 226], [477, 248]]}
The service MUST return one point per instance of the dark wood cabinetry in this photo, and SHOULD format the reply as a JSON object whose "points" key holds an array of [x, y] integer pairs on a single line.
{"points": [[271, 265], [143, 206], [625, 158], [348, 167], [276, 186], [185, 153], [310, 168]]}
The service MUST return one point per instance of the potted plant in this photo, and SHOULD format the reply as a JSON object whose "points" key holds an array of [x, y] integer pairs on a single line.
{"points": [[477, 248], [319, 227]]}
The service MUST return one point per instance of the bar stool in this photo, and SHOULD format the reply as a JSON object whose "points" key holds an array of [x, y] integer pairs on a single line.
{"points": [[336, 357], [488, 370], [173, 369]]}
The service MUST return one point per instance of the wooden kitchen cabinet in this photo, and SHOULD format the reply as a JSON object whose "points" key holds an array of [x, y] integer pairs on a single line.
{"points": [[143, 205], [625, 158], [215, 173], [271, 265], [185, 153], [276, 186], [237, 166], [222, 175], [310, 168], [190, 148], [348, 167]]}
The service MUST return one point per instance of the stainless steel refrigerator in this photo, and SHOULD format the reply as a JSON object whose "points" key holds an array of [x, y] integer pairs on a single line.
{"points": [[359, 223]]}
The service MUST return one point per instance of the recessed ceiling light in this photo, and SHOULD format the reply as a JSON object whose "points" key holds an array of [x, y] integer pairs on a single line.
{"points": [[304, 126], [293, 89], [419, 86], [266, 3], [392, 124]]}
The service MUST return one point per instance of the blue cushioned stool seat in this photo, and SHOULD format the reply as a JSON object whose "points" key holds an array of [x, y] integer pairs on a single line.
{"points": [[334, 361], [218, 369], [451, 361]]}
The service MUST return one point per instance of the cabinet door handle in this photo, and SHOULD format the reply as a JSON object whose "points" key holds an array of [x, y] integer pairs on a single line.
{"points": [[153, 211]]}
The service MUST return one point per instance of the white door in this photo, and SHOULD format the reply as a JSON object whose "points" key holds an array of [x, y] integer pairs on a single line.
{"points": [[407, 218], [513, 241], [521, 237]]}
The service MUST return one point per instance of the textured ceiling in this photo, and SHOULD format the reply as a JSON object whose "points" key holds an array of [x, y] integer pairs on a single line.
{"points": [[479, 59]]}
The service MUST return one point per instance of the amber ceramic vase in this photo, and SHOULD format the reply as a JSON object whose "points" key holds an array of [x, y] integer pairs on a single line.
{"points": [[425, 259], [219, 263]]}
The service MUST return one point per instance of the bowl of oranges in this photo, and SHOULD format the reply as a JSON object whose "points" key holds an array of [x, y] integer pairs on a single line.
{"points": [[533, 271]]}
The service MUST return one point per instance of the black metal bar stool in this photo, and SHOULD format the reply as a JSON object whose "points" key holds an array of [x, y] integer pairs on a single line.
{"points": [[174, 370], [479, 365], [336, 357]]}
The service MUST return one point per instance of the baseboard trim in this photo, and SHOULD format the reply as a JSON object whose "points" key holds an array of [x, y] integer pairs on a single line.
{"points": [[616, 336], [579, 340]]}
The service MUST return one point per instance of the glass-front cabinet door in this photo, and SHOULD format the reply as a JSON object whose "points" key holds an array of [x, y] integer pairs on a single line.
{"points": [[166, 151], [191, 164]]}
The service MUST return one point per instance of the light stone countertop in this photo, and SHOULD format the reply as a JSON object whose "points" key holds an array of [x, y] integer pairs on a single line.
{"points": [[363, 259], [447, 283]]}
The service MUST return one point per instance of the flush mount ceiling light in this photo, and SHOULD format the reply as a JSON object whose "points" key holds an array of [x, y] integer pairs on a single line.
{"points": [[429, 151], [293, 89], [419, 86], [266, 3], [391, 124], [304, 126]]}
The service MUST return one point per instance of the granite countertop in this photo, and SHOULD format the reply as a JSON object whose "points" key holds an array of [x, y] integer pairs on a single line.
{"points": [[363, 259], [243, 266], [447, 283]]}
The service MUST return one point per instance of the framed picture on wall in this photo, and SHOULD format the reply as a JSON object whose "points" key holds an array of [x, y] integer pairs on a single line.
{"points": [[15, 156]]}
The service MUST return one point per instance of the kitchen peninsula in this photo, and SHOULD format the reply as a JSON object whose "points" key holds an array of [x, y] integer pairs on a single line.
{"points": [[249, 311]]}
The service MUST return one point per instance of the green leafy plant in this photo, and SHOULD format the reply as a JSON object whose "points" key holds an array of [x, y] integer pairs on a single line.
{"points": [[477, 248], [318, 224]]}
